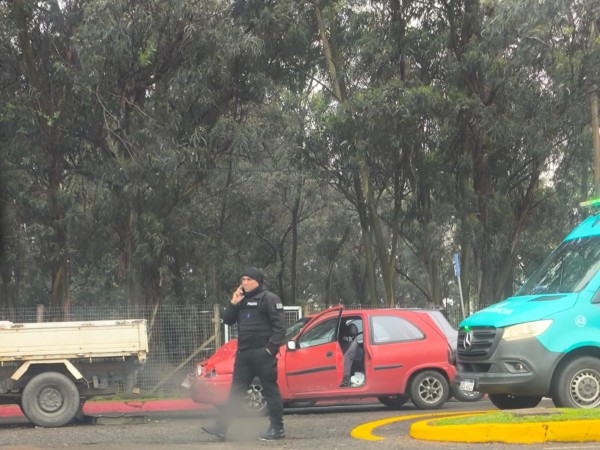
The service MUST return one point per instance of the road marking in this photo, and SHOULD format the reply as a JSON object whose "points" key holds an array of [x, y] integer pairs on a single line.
{"points": [[365, 431]]}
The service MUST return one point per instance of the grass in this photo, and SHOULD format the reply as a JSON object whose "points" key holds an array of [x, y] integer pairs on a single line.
{"points": [[518, 416]]}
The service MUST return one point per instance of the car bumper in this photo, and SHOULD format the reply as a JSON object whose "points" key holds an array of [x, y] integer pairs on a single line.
{"points": [[516, 368], [213, 391]]}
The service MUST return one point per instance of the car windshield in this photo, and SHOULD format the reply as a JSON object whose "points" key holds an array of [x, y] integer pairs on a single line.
{"points": [[295, 328], [568, 269]]}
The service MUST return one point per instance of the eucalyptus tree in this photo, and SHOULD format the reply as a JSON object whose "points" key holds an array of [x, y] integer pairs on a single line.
{"points": [[521, 70], [43, 141]]}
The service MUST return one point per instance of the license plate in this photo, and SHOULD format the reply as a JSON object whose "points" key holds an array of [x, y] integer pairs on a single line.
{"points": [[467, 385]]}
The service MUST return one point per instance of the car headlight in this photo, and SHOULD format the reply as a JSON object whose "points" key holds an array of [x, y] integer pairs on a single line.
{"points": [[199, 370], [526, 330]]}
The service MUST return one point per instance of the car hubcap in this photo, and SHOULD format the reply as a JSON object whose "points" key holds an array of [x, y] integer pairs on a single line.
{"points": [[430, 390]]}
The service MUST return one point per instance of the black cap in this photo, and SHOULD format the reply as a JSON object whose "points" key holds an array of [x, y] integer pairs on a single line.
{"points": [[254, 273]]}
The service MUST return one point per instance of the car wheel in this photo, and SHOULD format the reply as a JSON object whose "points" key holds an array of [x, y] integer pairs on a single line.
{"points": [[429, 390], [467, 396], [50, 399], [578, 384], [394, 401], [508, 401], [254, 401]]}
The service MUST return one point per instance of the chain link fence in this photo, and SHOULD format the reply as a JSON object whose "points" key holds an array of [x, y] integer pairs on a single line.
{"points": [[179, 336]]}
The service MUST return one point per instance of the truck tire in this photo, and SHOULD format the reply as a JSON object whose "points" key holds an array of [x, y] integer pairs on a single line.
{"points": [[577, 385], [429, 390], [394, 401], [50, 399], [508, 401]]}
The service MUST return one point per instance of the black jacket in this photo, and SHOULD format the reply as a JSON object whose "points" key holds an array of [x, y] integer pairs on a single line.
{"points": [[260, 319]]}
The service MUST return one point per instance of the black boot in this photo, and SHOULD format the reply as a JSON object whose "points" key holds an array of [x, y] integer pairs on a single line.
{"points": [[273, 433], [345, 382], [217, 431]]}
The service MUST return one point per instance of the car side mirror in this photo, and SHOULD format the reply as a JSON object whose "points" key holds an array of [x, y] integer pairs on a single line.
{"points": [[291, 345]]}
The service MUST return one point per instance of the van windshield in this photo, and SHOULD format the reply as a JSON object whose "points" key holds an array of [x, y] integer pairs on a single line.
{"points": [[569, 268]]}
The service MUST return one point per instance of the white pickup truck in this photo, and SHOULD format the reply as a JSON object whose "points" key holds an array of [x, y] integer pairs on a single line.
{"points": [[50, 369]]}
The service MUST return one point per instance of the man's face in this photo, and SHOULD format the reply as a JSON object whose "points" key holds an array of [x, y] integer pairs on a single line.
{"points": [[249, 284]]}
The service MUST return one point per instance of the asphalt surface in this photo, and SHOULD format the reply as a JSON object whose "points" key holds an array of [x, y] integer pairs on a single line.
{"points": [[427, 430]]}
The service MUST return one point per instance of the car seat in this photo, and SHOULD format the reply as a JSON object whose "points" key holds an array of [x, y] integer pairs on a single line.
{"points": [[350, 348]]}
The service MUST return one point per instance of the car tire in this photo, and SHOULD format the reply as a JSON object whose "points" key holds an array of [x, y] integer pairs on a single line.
{"points": [[429, 390], [577, 384], [394, 401], [466, 396], [254, 401], [50, 399], [508, 401]]}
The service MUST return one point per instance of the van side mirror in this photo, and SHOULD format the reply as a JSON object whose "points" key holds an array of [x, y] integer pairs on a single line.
{"points": [[291, 345]]}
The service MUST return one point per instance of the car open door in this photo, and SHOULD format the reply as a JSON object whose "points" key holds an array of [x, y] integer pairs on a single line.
{"points": [[314, 364]]}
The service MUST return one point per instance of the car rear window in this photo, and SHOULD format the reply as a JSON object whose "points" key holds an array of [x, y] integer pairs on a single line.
{"points": [[394, 329]]}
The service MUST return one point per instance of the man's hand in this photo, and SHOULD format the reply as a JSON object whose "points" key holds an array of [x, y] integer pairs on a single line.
{"points": [[238, 296]]}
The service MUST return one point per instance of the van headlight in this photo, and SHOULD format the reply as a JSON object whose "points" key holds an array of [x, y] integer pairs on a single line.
{"points": [[526, 330]]}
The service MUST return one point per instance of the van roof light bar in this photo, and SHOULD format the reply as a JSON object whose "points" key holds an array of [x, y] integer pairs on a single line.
{"points": [[592, 202]]}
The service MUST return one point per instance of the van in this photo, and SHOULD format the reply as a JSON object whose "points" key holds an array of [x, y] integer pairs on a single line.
{"points": [[545, 340]]}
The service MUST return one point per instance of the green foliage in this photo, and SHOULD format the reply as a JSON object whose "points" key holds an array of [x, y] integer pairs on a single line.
{"points": [[191, 139]]}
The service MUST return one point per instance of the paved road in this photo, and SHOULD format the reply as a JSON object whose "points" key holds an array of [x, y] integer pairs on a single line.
{"points": [[321, 427]]}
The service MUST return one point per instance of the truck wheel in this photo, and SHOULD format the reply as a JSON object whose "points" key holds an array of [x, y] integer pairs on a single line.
{"points": [[429, 390], [508, 401], [394, 401], [577, 384], [50, 399]]}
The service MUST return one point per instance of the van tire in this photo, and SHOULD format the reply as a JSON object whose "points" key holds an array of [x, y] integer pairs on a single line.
{"points": [[429, 390], [508, 401], [577, 384], [50, 399]]}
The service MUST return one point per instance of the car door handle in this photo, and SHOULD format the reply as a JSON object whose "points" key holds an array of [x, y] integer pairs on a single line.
{"points": [[328, 354]]}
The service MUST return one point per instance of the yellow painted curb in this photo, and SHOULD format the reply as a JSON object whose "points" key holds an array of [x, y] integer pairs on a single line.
{"points": [[521, 433]]}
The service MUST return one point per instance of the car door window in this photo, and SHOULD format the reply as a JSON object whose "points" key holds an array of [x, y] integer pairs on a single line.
{"points": [[394, 329], [321, 333]]}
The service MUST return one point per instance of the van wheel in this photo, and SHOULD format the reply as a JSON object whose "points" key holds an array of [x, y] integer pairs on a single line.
{"points": [[508, 401], [429, 390], [394, 401], [577, 384], [50, 399]]}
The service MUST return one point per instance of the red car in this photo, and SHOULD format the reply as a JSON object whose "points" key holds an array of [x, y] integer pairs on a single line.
{"points": [[403, 354]]}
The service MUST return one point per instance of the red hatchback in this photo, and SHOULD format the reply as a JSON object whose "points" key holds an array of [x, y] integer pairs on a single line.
{"points": [[403, 354]]}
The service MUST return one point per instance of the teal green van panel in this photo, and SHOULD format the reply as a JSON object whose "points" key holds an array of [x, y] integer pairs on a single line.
{"points": [[520, 309], [589, 227], [578, 327]]}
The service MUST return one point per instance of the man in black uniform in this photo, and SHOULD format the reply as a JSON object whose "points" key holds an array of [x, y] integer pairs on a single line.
{"points": [[261, 331]]}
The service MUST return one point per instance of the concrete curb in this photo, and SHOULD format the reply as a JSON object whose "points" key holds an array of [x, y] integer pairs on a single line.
{"points": [[522, 433], [132, 406]]}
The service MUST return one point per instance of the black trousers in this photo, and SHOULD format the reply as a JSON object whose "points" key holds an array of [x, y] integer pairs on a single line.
{"points": [[251, 363]]}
